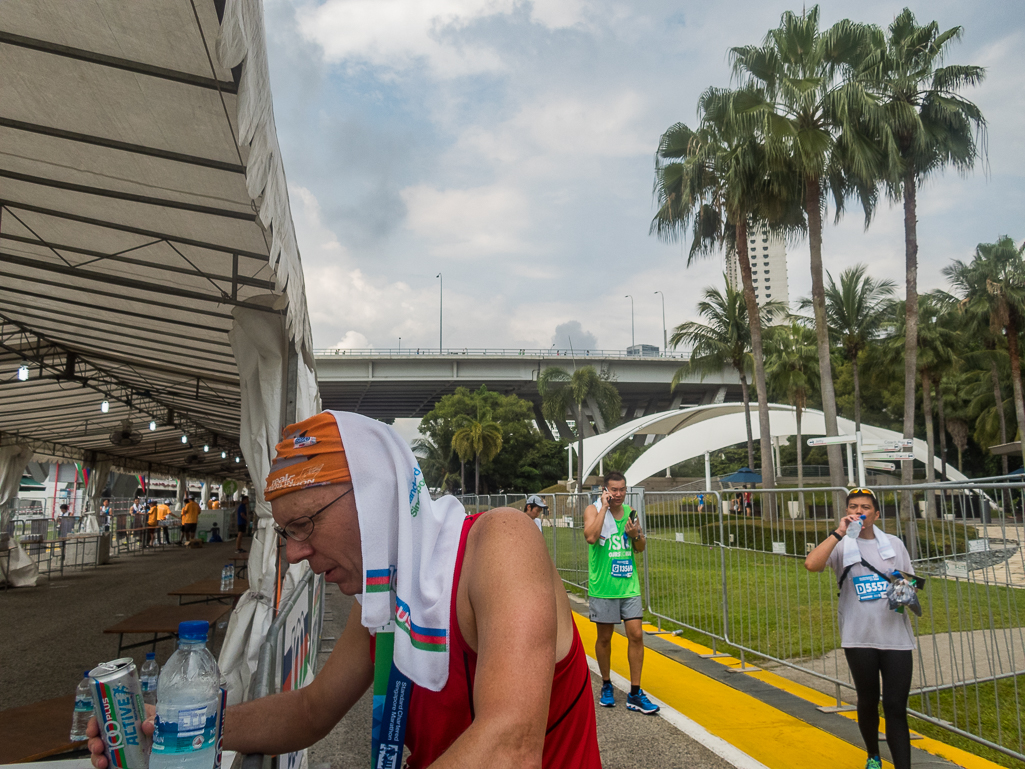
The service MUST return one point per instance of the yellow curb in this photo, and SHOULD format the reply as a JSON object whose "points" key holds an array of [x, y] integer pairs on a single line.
{"points": [[768, 735], [928, 744]]}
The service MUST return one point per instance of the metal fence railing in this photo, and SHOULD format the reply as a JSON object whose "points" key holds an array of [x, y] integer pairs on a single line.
{"points": [[288, 655], [732, 570]]}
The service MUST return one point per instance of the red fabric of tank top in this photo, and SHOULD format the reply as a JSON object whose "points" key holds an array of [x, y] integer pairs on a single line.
{"points": [[436, 719]]}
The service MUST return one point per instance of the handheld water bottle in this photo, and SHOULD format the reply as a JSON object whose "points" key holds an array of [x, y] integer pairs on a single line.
{"points": [[854, 528]]}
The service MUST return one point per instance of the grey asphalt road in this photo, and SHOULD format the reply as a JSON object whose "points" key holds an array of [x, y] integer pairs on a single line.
{"points": [[627, 740]]}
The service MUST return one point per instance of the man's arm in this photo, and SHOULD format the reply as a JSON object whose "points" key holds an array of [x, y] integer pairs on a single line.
{"points": [[295, 720], [637, 539], [594, 517], [507, 579]]}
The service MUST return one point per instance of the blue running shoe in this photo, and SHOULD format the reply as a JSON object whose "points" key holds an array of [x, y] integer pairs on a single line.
{"points": [[607, 699], [641, 703], [874, 763]]}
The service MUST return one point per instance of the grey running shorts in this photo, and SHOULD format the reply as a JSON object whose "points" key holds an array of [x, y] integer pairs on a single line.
{"points": [[611, 611]]}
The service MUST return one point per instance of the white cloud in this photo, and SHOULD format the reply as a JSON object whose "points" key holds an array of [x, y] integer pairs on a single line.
{"points": [[353, 340], [400, 34], [469, 223]]}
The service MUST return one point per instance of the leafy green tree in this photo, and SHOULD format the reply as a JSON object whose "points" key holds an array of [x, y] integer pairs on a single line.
{"points": [[993, 285], [926, 125], [563, 392], [856, 311], [792, 365], [525, 463], [434, 461], [715, 181], [477, 437], [722, 341], [814, 113]]}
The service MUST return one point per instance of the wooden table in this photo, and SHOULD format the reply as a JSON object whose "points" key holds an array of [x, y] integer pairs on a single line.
{"points": [[165, 619], [37, 731], [210, 590]]}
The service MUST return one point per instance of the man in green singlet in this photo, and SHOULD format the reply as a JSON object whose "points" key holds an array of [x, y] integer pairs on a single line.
{"points": [[613, 535]]}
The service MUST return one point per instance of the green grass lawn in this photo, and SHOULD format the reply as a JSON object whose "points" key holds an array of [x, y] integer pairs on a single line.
{"points": [[780, 610]]}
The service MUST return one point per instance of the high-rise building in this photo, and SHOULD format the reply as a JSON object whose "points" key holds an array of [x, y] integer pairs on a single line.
{"points": [[768, 256]]}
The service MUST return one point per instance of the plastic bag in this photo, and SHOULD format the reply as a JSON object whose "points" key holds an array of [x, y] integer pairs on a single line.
{"points": [[902, 593]]}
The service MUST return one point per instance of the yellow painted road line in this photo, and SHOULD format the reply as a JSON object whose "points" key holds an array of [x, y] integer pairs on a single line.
{"points": [[775, 738], [928, 744]]}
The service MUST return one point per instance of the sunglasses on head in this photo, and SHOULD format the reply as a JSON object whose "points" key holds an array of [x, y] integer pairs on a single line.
{"points": [[858, 492]]}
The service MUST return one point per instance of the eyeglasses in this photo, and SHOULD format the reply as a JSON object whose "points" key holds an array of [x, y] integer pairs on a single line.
{"points": [[301, 529], [854, 492]]}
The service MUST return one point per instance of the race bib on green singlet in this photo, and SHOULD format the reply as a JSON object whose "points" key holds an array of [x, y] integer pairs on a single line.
{"points": [[621, 568]]}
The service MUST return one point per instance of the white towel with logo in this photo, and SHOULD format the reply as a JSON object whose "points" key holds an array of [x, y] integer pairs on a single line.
{"points": [[409, 544], [852, 553], [608, 526]]}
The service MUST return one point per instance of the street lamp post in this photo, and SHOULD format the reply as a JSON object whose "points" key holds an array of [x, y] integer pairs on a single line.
{"points": [[633, 341], [441, 307], [665, 336]]}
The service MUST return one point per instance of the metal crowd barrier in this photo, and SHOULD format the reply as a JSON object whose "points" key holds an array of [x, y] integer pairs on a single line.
{"points": [[280, 668], [734, 574]]}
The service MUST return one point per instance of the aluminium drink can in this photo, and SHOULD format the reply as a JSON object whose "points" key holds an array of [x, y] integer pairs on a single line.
{"points": [[117, 699]]}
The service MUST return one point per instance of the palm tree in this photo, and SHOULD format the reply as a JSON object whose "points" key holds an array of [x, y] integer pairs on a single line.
{"points": [[856, 310], [477, 438], [563, 392], [993, 284], [724, 340], [434, 462], [926, 126], [792, 364], [715, 181], [814, 111]]}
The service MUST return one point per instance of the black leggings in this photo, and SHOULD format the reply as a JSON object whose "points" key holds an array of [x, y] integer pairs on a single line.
{"points": [[896, 667]]}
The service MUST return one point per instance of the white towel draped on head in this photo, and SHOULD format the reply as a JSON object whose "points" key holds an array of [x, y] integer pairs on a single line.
{"points": [[852, 553], [409, 545]]}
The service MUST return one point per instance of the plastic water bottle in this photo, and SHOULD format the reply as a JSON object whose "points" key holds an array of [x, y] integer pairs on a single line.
{"points": [[83, 708], [227, 578], [854, 528], [148, 677], [185, 729]]}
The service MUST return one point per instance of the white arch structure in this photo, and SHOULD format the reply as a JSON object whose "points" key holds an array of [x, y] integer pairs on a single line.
{"points": [[690, 432]]}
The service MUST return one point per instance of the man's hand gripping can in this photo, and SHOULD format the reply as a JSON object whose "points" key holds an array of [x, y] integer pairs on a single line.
{"points": [[117, 699]]}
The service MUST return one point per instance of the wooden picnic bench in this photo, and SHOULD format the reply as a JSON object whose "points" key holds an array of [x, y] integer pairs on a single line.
{"points": [[36, 731], [165, 619], [207, 590]]}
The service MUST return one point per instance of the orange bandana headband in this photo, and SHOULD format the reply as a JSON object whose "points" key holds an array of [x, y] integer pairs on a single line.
{"points": [[311, 454]]}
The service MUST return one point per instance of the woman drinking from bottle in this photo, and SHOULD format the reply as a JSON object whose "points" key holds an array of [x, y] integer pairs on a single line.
{"points": [[876, 640]]}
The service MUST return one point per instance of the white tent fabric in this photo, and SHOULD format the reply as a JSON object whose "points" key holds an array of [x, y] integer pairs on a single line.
{"points": [[205, 494], [98, 476], [691, 432], [17, 568], [256, 341]]}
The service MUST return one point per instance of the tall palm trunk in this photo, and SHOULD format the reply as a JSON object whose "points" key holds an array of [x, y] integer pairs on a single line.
{"points": [[998, 399], [813, 210], [1015, 353], [930, 440], [943, 429], [462, 477], [856, 375], [476, 475], [754, 320], [580, 448], [910, 321], [745, 395], [800, 456]]}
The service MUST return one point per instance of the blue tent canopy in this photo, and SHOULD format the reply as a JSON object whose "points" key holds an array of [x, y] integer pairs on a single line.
{"points": [[743, 475]]}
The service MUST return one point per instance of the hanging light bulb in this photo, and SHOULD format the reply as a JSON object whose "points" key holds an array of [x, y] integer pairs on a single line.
{"points": [[152, 426], [185, 439], [237, 460], [206, 447], [23, 372], [105, 406], [224, 455]]}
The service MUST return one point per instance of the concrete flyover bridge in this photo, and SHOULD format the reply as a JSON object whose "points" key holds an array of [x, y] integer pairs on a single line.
{"points": [[390, 384]]}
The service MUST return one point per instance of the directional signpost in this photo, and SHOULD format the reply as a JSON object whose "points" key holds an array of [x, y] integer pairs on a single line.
{"points": [[871, 455]]}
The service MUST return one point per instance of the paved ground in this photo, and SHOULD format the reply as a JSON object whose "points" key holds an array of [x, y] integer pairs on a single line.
{"points": [[52, 632], [626, 740]]}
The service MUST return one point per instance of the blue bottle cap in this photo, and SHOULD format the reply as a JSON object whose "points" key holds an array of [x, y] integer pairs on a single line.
{"points": [[85, 674], [863, 517], [151, 655], [193, 630]]}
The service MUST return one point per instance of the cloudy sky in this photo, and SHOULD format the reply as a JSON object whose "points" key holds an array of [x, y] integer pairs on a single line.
{"points": [[508, 144]]}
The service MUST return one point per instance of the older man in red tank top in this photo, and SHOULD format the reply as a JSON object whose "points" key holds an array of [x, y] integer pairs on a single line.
{"points": [[517, 693]]}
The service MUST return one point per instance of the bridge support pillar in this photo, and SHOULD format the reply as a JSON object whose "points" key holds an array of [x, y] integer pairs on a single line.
{"points": [[542, 423]]}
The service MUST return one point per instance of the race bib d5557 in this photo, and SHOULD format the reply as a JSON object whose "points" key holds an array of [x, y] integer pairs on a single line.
{"points": [[870, 587]]}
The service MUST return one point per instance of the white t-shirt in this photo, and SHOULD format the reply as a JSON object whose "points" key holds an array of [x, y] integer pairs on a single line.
{"points": [[538, 522], [866, 621]]}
